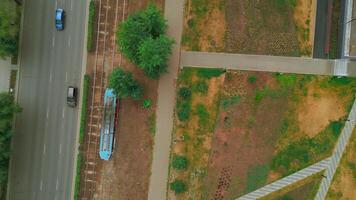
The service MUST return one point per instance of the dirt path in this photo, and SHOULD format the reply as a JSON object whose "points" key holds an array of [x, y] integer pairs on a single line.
{"points": [[165, 105]]}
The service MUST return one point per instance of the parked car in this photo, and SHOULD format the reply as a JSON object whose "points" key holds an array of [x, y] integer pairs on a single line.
{"points": [[60, 16], [72, 96]]}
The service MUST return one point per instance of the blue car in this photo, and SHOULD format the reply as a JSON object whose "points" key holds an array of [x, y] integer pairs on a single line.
{"points": [[59, 19]]}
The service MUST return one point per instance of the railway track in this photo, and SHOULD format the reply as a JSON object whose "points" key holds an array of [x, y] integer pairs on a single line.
{"points": [[109, 14]]}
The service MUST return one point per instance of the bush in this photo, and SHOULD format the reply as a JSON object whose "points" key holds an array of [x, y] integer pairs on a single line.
{"points": [[180, 162], [178, 186], [201, 87], [147, 103], [210, 73], [252, 79], [184, 111], [83, 116], [185, 93], [124, 85]]}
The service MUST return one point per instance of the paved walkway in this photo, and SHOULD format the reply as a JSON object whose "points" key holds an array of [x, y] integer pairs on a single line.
{"points": [[165, 105], [281, 64], [293, 178], [337, 154]]}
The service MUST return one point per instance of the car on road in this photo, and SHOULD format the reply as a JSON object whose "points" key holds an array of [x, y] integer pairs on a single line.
{"points": [[60, 15], [72, 96]]}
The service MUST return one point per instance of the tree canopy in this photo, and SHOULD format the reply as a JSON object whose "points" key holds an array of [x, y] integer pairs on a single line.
{"points": [[142, 40], [124, 85], [7, 110], [9, 28]]}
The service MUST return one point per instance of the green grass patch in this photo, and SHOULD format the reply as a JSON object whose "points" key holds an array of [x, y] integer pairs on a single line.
{"points": [[226, 102], [83, 118], [210, 72], [203, 115], [90, 36], [151, 124], [183, 111], [306, 151], [335, 26], [286, 80], [257, 177], [201, 87]]}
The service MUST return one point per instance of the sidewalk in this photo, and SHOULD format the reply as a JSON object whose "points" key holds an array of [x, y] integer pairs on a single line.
{"points": [[281, 64], [165, 105]]}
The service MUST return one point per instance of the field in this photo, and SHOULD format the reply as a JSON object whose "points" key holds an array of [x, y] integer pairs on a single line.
{"points": [[268, 27], [256, 128], [344, 182]]}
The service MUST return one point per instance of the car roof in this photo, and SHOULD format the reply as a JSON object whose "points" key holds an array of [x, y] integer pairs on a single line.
{"points": [[59, 14]]}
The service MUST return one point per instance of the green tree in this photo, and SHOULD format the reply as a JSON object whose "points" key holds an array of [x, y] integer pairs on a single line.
{"points": [[9, 27], [124, 85], [7, 110], [138, 27], [180, 162], [178, 186], [154, 54]]}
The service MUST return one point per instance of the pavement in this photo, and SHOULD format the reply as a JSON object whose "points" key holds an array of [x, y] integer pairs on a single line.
{"points": [[286, 181], [173, 12], [337, 154], [44, 143], [299, 65]]}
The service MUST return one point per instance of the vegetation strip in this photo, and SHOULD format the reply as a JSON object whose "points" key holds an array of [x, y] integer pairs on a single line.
{"points": [[91, 25], [83, 118]]}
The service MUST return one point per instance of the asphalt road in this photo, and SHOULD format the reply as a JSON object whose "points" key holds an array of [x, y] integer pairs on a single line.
{"points": [[320, 38], [44, 141]]}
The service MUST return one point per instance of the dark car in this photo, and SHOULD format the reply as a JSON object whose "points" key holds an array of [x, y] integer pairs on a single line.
{"points": [[72, 96], [60, 19]]}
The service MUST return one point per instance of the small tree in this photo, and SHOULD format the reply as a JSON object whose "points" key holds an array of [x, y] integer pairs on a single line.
{"points": [[178, 186], [124, 85], [185, 93], [180, 162], [137, 28], [154, 54]]}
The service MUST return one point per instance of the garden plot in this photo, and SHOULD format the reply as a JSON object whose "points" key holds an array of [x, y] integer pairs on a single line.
{"points": [[257, 127], [267, 27]]}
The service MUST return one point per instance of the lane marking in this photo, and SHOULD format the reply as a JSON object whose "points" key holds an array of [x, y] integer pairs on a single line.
{"points": [[69, 40], [50, 77], [63, 113], [47, 113], [41, 185], [53, 41], [55, 7], [66, 76], [57, 184], [60, 148], [71, 5], [44, 149]]}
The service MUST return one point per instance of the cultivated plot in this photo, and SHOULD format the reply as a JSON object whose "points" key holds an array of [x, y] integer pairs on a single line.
{"points": [[237, 131]]}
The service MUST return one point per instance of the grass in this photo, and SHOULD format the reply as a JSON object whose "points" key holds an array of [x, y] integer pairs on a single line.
{"points": [[151, 124], [256, 177], [91, 25], [335, 25], [306, 151], [226, 102], [83, 118], [210, 73]]}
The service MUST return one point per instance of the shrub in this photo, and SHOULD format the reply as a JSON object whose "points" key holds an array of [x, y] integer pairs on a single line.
{"points": [[184, 111], [210, 73], [180, 162], [201, 87], [147, 103], [252, 79], [91, 25], [185, 93], [178, 186]]}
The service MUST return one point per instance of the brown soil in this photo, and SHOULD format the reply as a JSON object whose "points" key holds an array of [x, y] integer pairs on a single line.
{"points": [[317, 109], [239, 146]]}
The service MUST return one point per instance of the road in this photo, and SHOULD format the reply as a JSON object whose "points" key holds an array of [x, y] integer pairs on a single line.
{"points": [[173, 12], [45, 132], [321, 29]]}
